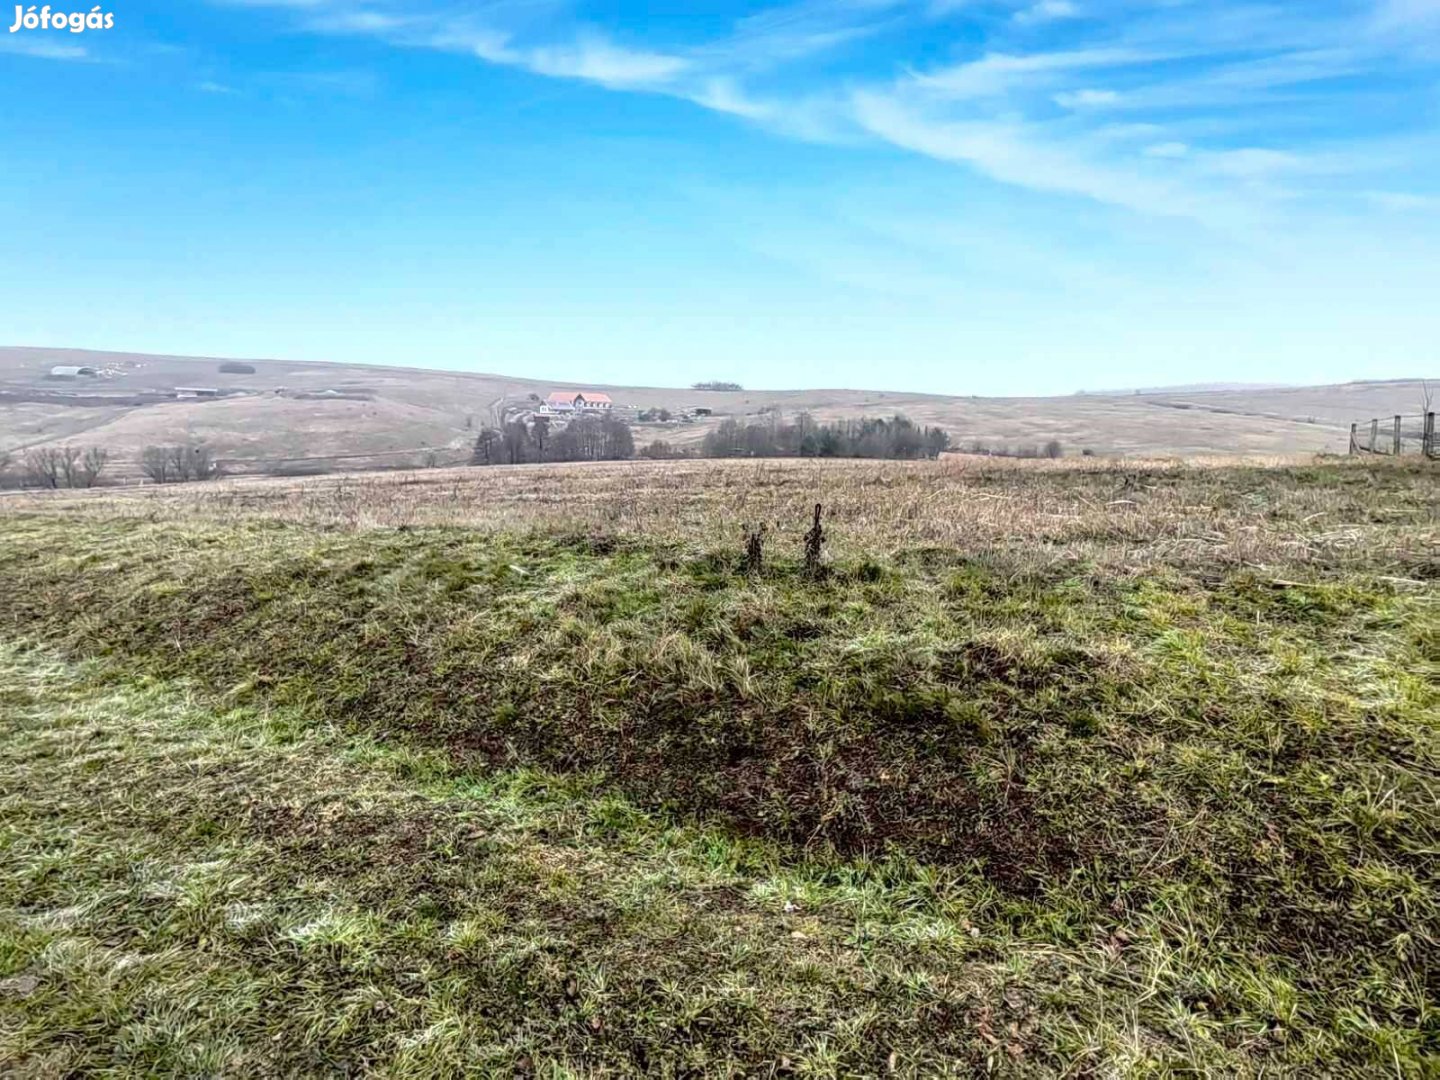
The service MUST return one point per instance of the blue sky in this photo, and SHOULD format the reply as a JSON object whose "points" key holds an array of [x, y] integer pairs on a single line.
{"points": [[964, 196]]}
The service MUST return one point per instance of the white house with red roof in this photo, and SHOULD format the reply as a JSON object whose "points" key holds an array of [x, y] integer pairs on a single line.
{"points": [[572, 401]]}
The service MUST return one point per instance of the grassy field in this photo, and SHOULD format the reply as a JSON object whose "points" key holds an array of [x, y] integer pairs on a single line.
{"points": [[1051, 770]]}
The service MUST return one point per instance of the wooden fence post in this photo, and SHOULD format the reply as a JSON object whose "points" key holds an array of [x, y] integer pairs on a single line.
{"points": [[1428, 439], [1354, 439], [1374, 435], [1397, 437]]}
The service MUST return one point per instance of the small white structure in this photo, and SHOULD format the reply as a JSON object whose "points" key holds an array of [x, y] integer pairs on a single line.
{"points": [[197, 392], [68, 371]]}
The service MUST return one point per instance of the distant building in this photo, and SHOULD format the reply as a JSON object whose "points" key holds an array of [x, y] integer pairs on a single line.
{"points": [[569, 401], [67, 371], [197, 392], [703, 410]]}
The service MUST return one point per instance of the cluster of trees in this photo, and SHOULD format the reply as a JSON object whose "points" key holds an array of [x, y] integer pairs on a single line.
{"points": [[77, 467], [871, 437], [60, 466], [1051, 449], [660, 450], [178, 464], [716, 384], [586, 438]]}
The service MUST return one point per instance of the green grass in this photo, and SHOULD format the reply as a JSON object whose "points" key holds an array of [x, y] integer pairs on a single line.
{"points": [[424, 801]]}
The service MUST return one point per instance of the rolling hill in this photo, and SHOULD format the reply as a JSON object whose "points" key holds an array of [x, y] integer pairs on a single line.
{"points": [[280, 415]]}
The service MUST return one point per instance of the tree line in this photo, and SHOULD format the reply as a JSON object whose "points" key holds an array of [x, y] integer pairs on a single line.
{"points": [[896, 437], [1051, 449], [59, 466], [586, 438], [72, 466]]}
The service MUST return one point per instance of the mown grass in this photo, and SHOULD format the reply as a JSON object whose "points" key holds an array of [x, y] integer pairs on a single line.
{"points": [[949, 808]]}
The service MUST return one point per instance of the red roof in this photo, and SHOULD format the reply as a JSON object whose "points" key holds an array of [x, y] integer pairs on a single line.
{"points": [[568, 397], [598, 398]]}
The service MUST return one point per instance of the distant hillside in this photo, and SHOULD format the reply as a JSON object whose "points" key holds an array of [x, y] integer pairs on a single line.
{"points": [[1190, 388], [282, 415]]}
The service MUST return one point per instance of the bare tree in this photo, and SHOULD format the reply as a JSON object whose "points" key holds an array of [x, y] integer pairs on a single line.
{"points": [[70, 467], [177, 464], [92, 464], [44, 467], [155, 463], [200, 463], [487, 447], [517, 442]]}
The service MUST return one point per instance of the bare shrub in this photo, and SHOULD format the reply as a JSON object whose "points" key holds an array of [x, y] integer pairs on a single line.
{"points": [[180, 463], [487, 447], [45, 467], [86, 471], [660, 450]]}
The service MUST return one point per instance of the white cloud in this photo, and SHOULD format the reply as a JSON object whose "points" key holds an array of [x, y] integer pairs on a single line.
{"points": [[357, 22], [1392, 14], [997, 74], [597, 60], [1019, 154], [1403, 201], [801, 29], [994, 112], [1048, 11], [1253, 163], [1085, 99], [40, 49]]}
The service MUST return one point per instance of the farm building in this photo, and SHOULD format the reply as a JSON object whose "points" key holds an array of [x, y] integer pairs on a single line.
{"points": [[67, 371], [567, 401]]}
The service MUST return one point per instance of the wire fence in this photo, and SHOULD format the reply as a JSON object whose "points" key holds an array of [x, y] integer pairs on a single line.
{"points": [[1392, 436]]}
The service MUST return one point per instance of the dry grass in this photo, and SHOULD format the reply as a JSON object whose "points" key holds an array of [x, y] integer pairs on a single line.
{"points": [[1060, 769], [1278, 511]]}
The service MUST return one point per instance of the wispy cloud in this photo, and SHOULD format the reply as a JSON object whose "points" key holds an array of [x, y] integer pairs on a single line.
{"points": [[1023, 154], [595, 59], [1047, 11], [1040, 118], [41, 49], [1403, 201], [1086, 99], [1407, 13], [1000, 74]]}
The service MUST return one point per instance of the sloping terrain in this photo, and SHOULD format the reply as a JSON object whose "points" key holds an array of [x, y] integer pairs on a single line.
{"points": [[351, 416], [1047, 769]]}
